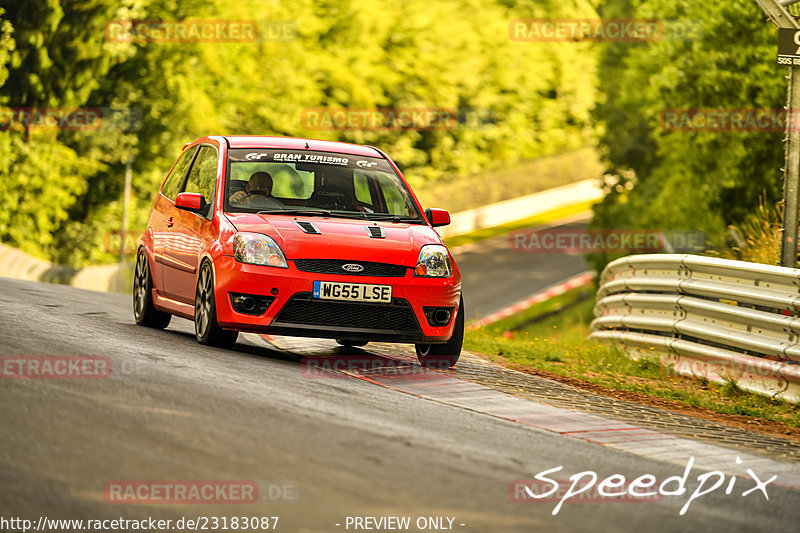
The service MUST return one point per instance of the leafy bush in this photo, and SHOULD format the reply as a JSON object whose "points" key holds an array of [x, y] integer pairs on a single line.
{"points": [[667, 179]]}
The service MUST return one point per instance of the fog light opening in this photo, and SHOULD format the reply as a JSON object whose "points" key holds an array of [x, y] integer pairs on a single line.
{"points": [[248, 303], [442, 316], [438, 316]]}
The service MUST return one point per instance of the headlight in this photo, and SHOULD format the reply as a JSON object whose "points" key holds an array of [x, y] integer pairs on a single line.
{"points": [[258, 249], [433, 262]]}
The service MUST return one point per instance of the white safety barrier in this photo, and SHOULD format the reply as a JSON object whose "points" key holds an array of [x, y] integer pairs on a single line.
{"points": [[16, 264], [706, 317], [492, 215]]}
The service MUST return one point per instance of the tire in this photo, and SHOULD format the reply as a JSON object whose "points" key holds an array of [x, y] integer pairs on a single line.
{"points": [[144, 312], [351, 344], [206, 328], [444, 355]]}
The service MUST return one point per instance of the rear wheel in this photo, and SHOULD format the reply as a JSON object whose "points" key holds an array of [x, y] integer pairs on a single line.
{"points": [[206, 328], [143, 310], [444, 355]]}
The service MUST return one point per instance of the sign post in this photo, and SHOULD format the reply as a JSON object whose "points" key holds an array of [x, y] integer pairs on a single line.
{"points": [[788, 54], [126, 198]]}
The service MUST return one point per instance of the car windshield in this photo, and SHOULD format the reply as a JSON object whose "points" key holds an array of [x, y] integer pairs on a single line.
{"points": [[307, 182]]}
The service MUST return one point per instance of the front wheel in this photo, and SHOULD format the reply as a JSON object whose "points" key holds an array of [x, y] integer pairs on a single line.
{"points": [[444, 355], [206, 328], [144, 312]]}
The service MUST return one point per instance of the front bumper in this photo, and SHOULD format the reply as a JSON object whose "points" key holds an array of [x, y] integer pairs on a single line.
{"points": [[294, 312]]}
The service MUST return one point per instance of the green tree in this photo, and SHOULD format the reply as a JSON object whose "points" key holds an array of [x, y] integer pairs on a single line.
{"points": [[660, 178], [53, 57], [529, 99]]}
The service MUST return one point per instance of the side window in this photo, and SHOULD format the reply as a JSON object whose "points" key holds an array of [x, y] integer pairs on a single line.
{"points": [[173, 183], [203, 175]]}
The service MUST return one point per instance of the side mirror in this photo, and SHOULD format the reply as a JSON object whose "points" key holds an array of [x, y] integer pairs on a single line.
{"points": [[190, 201], [437, 217]]}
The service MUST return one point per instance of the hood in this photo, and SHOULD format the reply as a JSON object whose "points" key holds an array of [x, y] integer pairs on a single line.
{"points": [[340, 238]]}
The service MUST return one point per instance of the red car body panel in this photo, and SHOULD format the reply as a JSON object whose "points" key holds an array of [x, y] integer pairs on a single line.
{"points": [[341, 238], [177, 241]]}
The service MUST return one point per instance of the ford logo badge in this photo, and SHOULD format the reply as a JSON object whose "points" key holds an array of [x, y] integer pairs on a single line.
{"points": [[352, 267]]}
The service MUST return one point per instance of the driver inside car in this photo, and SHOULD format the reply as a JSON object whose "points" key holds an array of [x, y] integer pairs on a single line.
{"points": [[257, 192]]}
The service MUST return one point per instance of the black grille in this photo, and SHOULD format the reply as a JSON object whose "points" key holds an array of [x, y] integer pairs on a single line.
{"points": [[302, 309], [334, 266]]}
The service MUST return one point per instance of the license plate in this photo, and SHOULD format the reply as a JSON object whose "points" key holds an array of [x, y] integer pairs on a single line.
{"points": [[352, 292]]}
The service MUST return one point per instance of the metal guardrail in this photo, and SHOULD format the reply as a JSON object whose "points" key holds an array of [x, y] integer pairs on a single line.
{"points": [[712, 318]]}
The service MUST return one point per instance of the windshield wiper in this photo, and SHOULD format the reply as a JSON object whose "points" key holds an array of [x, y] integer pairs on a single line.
{"points": [[392, 218], [294, 212], [310, 212]]}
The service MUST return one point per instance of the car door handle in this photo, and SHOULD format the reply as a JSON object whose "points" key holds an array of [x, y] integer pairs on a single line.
{"points": [[170, 222]]}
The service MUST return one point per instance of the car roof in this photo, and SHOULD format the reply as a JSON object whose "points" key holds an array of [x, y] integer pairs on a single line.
{"points": [[291, 143]]}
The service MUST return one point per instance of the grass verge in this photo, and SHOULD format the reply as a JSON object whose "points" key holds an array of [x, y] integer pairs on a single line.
{"points": [[557, 344]]}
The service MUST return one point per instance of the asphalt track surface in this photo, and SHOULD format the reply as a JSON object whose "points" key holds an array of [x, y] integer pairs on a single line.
{"points": [[174, 410], [495, 275]]}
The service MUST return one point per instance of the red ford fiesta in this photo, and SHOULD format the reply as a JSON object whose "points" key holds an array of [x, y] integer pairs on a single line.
{"points": [[298, 237]]}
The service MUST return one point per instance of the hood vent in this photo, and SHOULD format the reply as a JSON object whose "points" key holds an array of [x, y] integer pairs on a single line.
{"points": [[376, 232], [308, 227]]}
